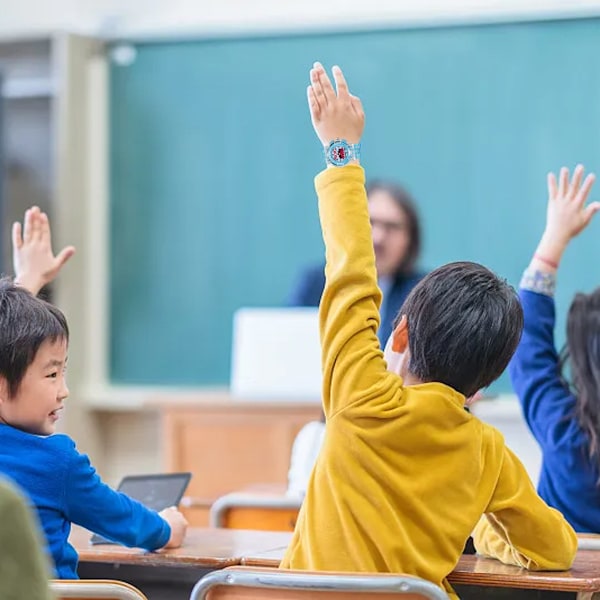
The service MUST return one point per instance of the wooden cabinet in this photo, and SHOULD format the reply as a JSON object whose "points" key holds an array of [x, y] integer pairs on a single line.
{"points": [[229, 446]]}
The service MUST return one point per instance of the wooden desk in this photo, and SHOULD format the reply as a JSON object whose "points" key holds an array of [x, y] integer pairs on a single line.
{"points": [[476, 577], [171, 574], [473, 574]]}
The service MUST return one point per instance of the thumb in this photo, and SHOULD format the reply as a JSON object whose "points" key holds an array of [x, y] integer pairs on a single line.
{"points": [[17, 238], [357, 105], [590, 211], [64, 255]]}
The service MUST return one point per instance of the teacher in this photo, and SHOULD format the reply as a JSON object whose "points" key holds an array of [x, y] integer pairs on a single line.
{"points": [[397, 242]]}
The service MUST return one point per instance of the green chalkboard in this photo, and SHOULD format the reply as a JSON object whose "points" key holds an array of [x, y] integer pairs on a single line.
{"points": [[213, 156]]}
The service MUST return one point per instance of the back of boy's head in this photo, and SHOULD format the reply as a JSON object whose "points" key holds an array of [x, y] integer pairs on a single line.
{"points": [[26, 322], [464, 325]]}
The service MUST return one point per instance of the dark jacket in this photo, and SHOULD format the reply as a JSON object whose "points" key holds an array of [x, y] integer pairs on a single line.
{"points": [[310, 287]]}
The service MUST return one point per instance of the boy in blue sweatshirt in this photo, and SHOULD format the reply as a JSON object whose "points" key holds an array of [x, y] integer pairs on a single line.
{"points": [[61, 482]]}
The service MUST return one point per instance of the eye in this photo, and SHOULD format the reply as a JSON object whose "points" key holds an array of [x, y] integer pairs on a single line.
{"points": [[53, 375]]}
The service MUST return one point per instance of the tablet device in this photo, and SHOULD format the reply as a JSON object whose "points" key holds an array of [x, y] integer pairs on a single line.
{"points": [[156, 492]]}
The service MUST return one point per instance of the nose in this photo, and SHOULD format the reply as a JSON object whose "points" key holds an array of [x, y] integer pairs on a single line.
{"points": [[63, 392], [378, 233]]}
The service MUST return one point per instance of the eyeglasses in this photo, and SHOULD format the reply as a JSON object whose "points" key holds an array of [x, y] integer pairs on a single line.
{"points": [[389, 227]]}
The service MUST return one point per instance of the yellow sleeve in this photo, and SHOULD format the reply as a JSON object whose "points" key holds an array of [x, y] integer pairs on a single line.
{"points": [[352, 360], [520, 529]]}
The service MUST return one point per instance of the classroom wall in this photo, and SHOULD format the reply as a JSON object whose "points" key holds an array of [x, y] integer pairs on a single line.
{"points": [[128, 439]]}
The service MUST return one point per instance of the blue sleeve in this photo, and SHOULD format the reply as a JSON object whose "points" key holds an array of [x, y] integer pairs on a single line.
{"points": [[309, 288], [548, 405], [96, 506]]}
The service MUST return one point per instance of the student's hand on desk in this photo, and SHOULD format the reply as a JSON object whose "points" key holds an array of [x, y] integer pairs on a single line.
{"points": [[178, 525], [33, 260], [567, 215], [334, 115]]}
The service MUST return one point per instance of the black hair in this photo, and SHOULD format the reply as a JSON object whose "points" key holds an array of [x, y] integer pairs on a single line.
{"points": [[582, 355], [25, 323], [464, 325], [406, 203]]}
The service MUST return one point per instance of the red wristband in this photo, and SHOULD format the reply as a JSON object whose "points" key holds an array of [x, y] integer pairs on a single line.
{"points": [[546, 261]]}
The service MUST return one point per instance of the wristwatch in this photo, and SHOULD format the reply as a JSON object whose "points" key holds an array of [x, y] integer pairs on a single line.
{"points": [[339, 153]]}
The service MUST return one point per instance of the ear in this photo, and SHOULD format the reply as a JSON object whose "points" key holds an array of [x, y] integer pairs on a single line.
{"points": [[4, 395], [400, 336]]}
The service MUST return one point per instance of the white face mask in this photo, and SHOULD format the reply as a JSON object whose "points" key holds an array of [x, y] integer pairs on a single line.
{"points": [[393, 359]]}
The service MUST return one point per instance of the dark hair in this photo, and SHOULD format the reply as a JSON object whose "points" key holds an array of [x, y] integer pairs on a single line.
{"points": [[582, 353], [25, 323], [405, 202], [464, 325]]}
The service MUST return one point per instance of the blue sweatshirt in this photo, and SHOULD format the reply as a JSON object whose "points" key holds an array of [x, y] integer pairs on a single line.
{"points": [[65, 489], [568, 477]]}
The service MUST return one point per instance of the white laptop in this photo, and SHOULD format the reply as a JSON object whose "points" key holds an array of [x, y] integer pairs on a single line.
{"points": [[276, 355]]}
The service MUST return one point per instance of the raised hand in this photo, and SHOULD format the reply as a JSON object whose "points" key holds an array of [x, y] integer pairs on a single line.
{"points": [[335, 114], [567, 215], [33, 260]]}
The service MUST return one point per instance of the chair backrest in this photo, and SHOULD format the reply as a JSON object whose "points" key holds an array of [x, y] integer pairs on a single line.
{"points": [[244, 583], [94, 589], [267, 512]]}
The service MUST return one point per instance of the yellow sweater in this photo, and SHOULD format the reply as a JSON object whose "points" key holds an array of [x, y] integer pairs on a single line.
{"points": [[405, 473]]}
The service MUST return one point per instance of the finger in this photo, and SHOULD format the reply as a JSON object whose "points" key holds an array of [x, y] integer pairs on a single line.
{"points": [[36, 224], [552, 185], [17, 239], [315, 83], [563, 181], [63, 256], [584, 192], [576, 181], [590, 211], [44, 227], [340, 83], [313, 104], [325, 82], [27, 225]]}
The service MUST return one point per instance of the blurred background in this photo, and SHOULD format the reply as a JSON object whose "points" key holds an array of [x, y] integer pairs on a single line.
{"points": [[171, 144]]}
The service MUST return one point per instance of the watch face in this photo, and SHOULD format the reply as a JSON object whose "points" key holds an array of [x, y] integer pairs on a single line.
{"points": [[339, 153]]}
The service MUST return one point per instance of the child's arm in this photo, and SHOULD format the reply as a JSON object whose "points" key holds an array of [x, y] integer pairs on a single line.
{"points": [[353, 365], [535, 374], [94, 505], [33, 260], [519, 528]]}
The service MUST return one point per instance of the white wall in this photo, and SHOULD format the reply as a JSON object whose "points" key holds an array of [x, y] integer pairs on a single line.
{"points": [[193, 17]]}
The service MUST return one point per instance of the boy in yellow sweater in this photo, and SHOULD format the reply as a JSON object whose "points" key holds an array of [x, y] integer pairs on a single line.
{"points": [[405, 472]]}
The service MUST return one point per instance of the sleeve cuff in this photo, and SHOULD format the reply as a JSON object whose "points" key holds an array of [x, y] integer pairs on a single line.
{"points": [[335, 174], [539, 282]]}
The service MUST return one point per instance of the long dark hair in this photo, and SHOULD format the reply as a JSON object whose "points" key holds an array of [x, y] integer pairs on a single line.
{"points": [[581, 355], [405, 202]]}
